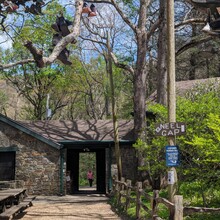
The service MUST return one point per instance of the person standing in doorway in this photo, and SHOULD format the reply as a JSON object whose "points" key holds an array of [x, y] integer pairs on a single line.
{"points": [[68, 182], [90, 177]]}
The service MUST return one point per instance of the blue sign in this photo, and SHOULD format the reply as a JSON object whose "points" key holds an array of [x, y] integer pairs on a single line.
{"points": [[172, 156]]}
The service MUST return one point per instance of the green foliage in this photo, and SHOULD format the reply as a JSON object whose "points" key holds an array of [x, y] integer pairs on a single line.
{"points": [[163, 211], [203, 216], [91, 93], [192, 191], [200, 147], [153, 149]]}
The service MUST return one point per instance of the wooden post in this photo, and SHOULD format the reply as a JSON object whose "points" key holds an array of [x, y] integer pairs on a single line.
{"points": [[171, 82], [171, 79], [119, 193], [138, 200], [113, 185], [128, 193], [178, 206], [123, 186], [116, 188], [154, 204]]}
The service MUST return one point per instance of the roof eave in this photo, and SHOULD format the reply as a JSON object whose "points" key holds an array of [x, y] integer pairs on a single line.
{"points": [[76, 142]]}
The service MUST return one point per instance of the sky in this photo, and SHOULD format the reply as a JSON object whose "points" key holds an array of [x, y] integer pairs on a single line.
{"points": [[5, 42]]}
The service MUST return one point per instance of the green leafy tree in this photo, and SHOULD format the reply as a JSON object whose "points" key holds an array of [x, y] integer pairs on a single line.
{"points": [[199, 147], [153, 150]]}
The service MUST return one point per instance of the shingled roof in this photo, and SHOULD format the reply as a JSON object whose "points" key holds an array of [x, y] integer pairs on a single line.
{"points": [[80, 130], [183, 86], [28, 131]]}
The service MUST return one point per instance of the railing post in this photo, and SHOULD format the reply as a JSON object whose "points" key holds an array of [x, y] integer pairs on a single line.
{"points": [[154, 204], [128, 193], [113, 186], [123, 186], [138, 199], [116, 189], [178, 207], [119, 193]]}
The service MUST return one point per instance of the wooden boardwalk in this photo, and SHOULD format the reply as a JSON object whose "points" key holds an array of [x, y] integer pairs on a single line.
{"points": [[88, 207]]}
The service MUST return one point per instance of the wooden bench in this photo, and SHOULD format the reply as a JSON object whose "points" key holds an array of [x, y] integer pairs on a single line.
{"points": [[11, 197], [11, 212], [4, 200]]}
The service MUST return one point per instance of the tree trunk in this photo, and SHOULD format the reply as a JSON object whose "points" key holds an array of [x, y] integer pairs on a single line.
{"points": [[192, 71], [140, 97], [161, 65], [140, 73], [114, 112]]}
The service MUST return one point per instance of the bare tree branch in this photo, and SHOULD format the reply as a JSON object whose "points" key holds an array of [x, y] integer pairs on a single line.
{"points": [[121, 65], [127, 21], [153, 28], [6, 66], [191, 44], [191, 21], [92, 40], [37, 54]]}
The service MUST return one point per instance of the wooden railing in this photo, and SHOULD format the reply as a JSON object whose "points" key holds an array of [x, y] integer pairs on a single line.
{"points": [[122, 191]]}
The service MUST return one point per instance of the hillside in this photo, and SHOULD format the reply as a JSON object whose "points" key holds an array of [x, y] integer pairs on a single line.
{"points": [[14, 102]]}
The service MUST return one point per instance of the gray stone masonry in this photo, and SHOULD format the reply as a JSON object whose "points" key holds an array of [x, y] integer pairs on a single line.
{"points": [[129, 162], [37, 163]]}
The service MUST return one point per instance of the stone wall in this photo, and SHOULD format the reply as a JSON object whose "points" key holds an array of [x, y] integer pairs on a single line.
{"points": [[37, 163], [129, 162]]}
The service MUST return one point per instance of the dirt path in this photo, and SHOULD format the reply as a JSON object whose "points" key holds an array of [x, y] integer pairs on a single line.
{"points": [[69, 207]]}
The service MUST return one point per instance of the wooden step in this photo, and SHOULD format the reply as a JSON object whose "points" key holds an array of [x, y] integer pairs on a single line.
{"points": [[11, 212]]}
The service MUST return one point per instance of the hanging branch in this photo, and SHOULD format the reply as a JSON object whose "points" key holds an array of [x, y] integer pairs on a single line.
{"points": [[191, 44]]}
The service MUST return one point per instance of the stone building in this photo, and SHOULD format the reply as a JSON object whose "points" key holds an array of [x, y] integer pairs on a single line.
{"points": [[40, 152]]}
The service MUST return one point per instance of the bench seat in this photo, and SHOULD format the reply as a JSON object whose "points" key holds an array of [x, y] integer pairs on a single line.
{"points": [[11, 212]]}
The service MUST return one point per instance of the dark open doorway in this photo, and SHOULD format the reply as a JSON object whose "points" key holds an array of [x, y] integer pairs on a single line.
{"points": [[74, 164], [87, 169]]}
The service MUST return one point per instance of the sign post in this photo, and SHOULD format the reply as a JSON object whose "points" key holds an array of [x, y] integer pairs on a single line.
{"points": [[171, 86]]}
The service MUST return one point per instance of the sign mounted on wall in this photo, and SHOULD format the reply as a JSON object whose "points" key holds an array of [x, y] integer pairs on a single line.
{"points": [[172, 156], [170, 129]]}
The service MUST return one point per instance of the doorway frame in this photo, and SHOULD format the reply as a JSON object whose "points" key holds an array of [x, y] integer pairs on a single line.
{"points": [[93, 146]]}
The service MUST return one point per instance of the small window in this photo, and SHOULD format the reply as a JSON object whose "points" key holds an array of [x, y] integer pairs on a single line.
{"points": [[7, 166]]}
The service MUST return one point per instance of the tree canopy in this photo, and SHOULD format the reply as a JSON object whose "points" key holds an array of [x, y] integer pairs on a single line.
{"points": [[138, 37]]}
